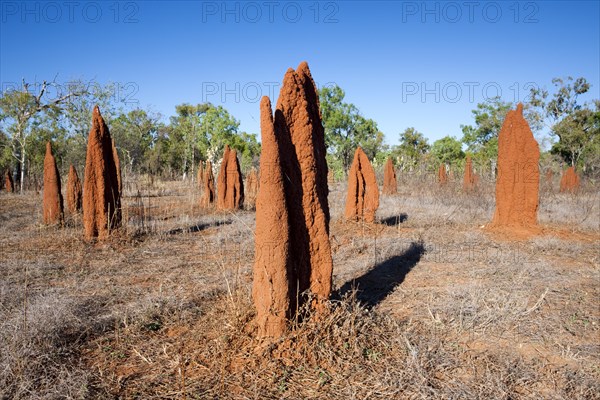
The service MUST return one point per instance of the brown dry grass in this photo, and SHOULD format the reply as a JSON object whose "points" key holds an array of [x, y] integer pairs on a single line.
{"points": [[429, 305]]}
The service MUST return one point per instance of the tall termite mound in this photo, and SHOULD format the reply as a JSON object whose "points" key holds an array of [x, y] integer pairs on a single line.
{"points": [[53, 200], [251, 188], [469, 178], [117, 166], [569, 182], [293, 253], [517, 184], [362, 199], [101, 196], [9, 185], [390, 186], [442, 176], [208, 181], [73, 191], [230, 186]]}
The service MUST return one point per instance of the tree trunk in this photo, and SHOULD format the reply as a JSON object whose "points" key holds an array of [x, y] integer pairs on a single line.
{"points": [[23, 158]]}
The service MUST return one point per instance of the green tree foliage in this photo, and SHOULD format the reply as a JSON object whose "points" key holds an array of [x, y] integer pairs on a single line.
{"points": [[23, 111], [200, 132], [482, 138], [135, 135], [413, 146], [575, 125], [447, 150], [346, 129]]}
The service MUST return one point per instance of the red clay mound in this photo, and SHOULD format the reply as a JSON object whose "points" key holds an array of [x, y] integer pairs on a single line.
{"points": [[517, 185], [390, 186], [251, 188], [101, 196], [200, 176], [8, 182], [295, 150], [230, 194], [362, 199], [73, 191], [272, 285], [442, 177], [117, 166], [53, 200], [208, 195], [469, 177], [569, 182]]}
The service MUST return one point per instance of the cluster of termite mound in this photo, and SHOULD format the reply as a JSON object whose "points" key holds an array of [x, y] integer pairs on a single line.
{"points": [[293, 255]]}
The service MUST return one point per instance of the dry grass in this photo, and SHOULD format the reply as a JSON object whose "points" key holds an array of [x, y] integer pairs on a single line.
{"points": [[428, 304]]}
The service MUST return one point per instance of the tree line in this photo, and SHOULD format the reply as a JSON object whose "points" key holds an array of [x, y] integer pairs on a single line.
{"points": [[148, 145]]}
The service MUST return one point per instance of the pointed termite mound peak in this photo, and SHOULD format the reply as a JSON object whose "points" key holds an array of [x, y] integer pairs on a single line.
{"points": [[298, 118], [230, 187], [208, 181], [9, 185], [517, 184], [569, 182], [53, 200], [200, 176], [117, 166], [73, 191], [272, 284], [292, 213], [442, 176], [469, 178], [390, 185], [101, 196], [362, 199], [251, 188]]}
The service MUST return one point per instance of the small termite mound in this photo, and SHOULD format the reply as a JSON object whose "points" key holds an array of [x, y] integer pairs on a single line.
{"points": [[390, 185], [74, 199], [208, 191], [101, 195], [53, 200], [442, 176], [230, 186], [569, 182], [9, 185], [251, 189], [362, 199]]}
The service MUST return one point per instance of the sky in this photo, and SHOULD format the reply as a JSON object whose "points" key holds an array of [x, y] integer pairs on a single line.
{"points": [[402, 63]]}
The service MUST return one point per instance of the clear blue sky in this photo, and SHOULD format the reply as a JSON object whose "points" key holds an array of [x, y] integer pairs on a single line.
{"points": [[401, 63]]}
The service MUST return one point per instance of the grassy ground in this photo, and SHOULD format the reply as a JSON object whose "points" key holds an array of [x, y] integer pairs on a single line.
{"points": [[428, 304]]}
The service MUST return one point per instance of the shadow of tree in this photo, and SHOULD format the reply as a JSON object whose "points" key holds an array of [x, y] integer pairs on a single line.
{"points": [[394, 219], [377, 283], [198, 227]]}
